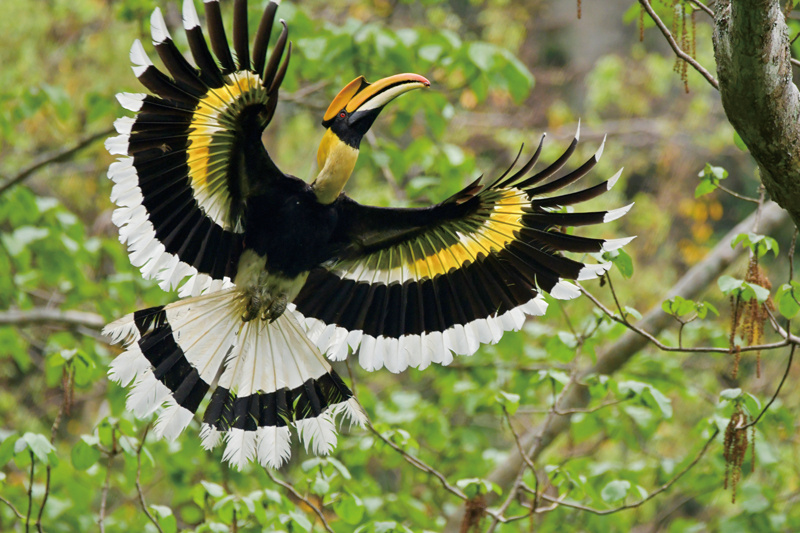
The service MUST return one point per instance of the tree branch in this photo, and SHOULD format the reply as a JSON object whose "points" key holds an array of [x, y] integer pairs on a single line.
{"points": [[613, 356], [674, 45], [139, 480], [644, 500], [751, 46], [289, 487], [45, 315], [56, 157]]}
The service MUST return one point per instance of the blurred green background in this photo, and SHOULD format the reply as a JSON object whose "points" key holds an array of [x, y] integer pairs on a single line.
{"points": [[503, 73]]}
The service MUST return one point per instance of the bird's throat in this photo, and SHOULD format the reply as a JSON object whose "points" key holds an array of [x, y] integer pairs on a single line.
{"points": [[336, 160]]}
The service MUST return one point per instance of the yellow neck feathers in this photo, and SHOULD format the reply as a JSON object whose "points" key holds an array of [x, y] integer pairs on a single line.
{"points": [[336, 161]]}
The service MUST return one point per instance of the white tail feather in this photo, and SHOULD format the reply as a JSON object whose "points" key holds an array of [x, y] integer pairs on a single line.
{"points": [[318, 433], [128, 366], [351, 411], [240, 448], [172, 420], [274, 448]]}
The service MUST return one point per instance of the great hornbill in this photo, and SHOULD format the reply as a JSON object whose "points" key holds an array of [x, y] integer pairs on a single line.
{"points": [[279, 271]]}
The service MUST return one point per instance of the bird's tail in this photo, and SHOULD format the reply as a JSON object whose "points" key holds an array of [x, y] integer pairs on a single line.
{"points": [[265, 378]]}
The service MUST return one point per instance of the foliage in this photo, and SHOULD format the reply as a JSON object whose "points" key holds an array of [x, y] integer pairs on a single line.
{"points": [[66, 436]]}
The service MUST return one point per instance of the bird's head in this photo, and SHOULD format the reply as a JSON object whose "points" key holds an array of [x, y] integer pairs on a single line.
{"points": [[347, 120]]}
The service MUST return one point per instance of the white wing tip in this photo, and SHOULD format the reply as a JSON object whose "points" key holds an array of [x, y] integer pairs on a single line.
{"points": [[139, 58], [190, 18], [614, 214], [158, 27], [578, 131], [536, 307], [131, 101], [599, 153], [593, 271], [123, 125], [564, 290], [613, 180], [117, 145], [615, 244]]}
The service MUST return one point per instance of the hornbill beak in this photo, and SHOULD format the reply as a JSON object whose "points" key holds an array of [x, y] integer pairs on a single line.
{"points": [[360, 102], [348, 118]]}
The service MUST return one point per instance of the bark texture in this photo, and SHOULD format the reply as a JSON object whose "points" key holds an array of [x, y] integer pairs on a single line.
{"points": [[751, 46]]}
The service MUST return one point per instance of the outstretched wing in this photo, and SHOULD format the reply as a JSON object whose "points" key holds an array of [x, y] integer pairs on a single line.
{"points": [[192, 153], [413, 286]]}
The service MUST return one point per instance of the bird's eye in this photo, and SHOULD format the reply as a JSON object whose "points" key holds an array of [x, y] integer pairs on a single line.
{"points": [[342, 114]]}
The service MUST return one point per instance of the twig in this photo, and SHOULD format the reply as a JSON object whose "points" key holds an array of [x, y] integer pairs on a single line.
{"points": [[574, 410], [518, 481], [674, 45], [30, 494], [107, 484], [418, 463], [614, 294], [703, 7], [736, 194], [530, 465], [65, 402], [302, 498], [56, 157], [788, 338], [13, 509], [139, 479], [777, 391], [649, 497], [614, 355]]}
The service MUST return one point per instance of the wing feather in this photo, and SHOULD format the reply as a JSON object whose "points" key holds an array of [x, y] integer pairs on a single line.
{"points": [[179, 185], [453, 275]]}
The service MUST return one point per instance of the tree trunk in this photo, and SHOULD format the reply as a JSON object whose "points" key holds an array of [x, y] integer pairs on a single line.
{"points": [[751, 46]]}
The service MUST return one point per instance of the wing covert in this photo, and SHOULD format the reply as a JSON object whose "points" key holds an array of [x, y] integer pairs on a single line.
{"points": [[415, 286], [192, 153]]}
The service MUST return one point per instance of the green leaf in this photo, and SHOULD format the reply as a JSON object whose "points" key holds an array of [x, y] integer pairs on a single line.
{"points": [[40, 446], [301, 520], [213, 490], [85, 453], [483, 55], [350, 509], [710, 171], [704, 187], [165, 518], [474, 486], [653, 395], [730, 394], [623, 262], [509, 400], [761, 293], [787, 299], [21, 238], [758, 244], [704, 307], [727, 284], [7, 448], [615, 490], [737, 140]]}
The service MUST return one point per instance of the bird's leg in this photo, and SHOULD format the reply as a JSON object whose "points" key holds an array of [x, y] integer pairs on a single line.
{"points": [[260, 302], [275, 308]]}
